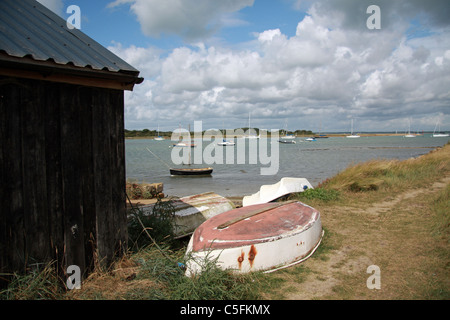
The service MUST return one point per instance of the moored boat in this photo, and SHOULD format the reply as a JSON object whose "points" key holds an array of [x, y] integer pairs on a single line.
{"points": [[286, 141], [442, 134], [352, 135], [190, 171], [184, 145], [225, 143], [439, 133], [263, 237]]}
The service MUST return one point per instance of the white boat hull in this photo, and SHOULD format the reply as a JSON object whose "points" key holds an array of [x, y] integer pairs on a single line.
{"points": [[266, 254], [192, 211], [437, 135], [271, 192]]}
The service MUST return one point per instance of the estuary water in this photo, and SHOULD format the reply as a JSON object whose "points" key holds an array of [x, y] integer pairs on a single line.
{"points": [[148, 161]]}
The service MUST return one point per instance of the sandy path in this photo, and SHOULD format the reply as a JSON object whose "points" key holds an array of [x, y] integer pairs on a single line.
{"points": [[381, 235]]}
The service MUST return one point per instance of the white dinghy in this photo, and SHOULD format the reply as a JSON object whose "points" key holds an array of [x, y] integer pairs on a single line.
{"points": [[271, 192]]}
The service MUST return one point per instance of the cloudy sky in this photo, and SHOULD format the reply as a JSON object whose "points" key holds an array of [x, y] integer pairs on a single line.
{"points": [[310, 65]]}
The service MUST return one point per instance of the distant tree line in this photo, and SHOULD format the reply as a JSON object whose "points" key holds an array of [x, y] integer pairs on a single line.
{"points": [[144, 133], [153, 133]]}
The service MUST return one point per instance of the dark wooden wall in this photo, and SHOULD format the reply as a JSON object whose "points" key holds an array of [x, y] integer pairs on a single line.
{"points": [[62, 167]]}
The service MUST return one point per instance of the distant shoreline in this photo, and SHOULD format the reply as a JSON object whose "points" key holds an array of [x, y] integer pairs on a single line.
{"points": [[365, 134]]}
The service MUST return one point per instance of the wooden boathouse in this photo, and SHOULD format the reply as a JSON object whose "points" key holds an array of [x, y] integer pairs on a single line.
{"points": [[62, 159]]}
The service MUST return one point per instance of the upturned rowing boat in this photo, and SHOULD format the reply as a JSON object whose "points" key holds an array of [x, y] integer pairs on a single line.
{"points": [[264, 237]]}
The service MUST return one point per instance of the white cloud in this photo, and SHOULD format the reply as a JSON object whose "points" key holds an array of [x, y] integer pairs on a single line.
{"points": [[190, 19], [326, 71]]}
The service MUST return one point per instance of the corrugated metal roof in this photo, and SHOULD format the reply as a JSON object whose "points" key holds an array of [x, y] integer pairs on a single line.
{"points": [[28, 29]]}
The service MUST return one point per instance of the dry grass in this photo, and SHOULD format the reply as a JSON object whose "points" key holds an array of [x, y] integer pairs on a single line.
{"points": [[119, 283], [393, 214], [393, 175]]}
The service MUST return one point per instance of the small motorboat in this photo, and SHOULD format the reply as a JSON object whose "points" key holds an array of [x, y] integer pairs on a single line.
{"points": [[264, 237]]}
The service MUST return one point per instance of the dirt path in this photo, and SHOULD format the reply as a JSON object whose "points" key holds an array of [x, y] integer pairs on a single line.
{"points": [[392, 235]]}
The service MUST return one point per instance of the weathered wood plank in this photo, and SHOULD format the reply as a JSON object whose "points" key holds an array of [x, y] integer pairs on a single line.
{"points": [[34, 175], [12, 212], [71, 151], [52, 106], [119, 179], [101, 115], [87, 176]]}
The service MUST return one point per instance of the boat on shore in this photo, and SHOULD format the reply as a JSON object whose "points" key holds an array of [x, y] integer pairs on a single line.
{"points": [[271, 192], [191, 211], [263, 237]]}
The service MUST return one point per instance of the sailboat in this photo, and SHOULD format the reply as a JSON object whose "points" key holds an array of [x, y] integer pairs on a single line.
{"points": [[250, 136], [351, 134], [158, 137], [439, 133], [320, 135], [190, 171], [185, 144], [409, 135], [225, 142], [286, 135]]}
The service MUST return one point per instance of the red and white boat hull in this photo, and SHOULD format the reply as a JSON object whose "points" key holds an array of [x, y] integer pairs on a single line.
{"points": [[258, 237]]}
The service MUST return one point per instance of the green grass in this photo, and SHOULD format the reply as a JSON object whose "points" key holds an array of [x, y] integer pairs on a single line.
{"points": [[322, 194], [35, 285]]}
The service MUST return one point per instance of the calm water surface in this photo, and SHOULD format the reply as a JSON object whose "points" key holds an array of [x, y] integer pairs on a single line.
{"points": [[314, 161]]}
